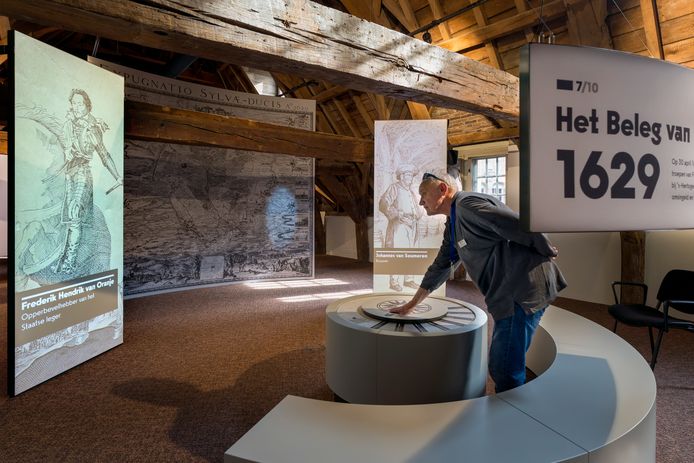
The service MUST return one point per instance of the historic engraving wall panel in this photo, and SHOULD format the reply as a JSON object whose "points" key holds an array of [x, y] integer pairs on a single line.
{"points": [[199, 215]]}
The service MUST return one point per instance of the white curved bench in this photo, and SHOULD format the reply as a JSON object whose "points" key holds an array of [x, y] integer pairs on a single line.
{"points": [[594, 400]]}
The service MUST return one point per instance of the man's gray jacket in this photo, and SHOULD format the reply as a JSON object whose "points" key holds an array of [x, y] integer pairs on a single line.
{"points": [[507, 264]]}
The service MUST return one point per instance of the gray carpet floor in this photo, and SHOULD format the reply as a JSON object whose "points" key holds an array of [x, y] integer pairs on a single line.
{"points": [[197, 369]]}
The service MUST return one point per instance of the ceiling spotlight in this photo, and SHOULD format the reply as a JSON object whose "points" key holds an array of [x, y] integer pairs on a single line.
{"points": [[426, 37]]}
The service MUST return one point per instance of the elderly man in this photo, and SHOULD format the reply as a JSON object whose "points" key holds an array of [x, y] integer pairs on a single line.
{"points": [[399, 204], [513, 269]]}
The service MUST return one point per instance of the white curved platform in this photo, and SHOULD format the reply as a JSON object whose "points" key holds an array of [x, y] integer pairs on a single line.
{"points": [[593, 401], [438, 354]]}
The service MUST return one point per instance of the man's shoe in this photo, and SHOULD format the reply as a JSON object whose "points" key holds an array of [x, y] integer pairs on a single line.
{"points": [[411, 284]]}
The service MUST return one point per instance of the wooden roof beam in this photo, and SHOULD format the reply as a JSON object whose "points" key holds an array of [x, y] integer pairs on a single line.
{"points": [[458, 139], [162, 124], [291, 36]]}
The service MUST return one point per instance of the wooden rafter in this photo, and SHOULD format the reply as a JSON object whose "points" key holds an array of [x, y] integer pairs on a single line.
{"points": [[394, 8], [492, 52], [371, 11], [418, 111], [347, 118], [368, 120], [479, 35], [651, 27], [4, 30], [410, 17], [3, 143], [379, 103], [330, 93], [522, 6], [242, 78], [438, 13], [339, 128]]}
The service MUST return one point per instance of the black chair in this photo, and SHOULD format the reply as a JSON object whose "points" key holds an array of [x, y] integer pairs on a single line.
{"points": [[676, 291]]}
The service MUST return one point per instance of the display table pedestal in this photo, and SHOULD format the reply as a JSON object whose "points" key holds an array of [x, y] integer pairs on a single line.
{"points": [[438, 353]]}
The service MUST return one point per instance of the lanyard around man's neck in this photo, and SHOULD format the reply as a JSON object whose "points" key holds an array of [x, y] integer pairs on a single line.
{"points": [[454, 254]]}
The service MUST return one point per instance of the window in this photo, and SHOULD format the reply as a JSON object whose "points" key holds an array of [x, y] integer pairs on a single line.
{"points": [[489, 176]]}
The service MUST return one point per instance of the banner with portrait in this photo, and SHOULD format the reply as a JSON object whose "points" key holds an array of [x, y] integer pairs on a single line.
{"points": [[406, 240], [65, 212]]}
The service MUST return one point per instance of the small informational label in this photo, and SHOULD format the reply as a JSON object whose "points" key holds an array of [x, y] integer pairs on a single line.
{"points": [[606, 142], [48, 309], [412, 261]]}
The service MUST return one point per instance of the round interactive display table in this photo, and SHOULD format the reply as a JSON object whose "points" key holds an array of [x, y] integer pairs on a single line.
{"points": [[437, 353]]}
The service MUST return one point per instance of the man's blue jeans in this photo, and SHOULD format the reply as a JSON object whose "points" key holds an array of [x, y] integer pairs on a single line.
{"points": [[510, 342]]}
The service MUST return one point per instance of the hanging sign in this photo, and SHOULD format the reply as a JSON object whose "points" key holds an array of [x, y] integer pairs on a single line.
{"points": [[605, 141]]}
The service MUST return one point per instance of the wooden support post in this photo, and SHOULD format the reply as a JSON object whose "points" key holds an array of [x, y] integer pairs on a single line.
{"points": [[633, 264], [319, 230], [361, 229]]}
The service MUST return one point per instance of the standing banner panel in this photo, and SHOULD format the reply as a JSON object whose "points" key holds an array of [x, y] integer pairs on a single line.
{"points": [[66, 212], [605, 141], [198, 216], [406, 240]]}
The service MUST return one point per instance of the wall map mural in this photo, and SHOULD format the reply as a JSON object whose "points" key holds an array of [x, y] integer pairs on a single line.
{"points": [[199, 215], [207, 215]]}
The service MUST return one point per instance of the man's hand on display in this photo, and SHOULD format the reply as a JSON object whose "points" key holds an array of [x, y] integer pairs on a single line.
{"points": [[403, 309]]}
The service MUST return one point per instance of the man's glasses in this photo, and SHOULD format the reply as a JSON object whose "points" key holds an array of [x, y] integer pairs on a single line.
{"points": [[428, 176]]}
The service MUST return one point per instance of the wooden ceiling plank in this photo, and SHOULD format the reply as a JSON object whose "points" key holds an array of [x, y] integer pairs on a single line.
{"points": [[586, 23], [651, 26], [157, 123], [479, 35]]}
